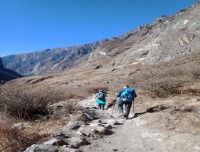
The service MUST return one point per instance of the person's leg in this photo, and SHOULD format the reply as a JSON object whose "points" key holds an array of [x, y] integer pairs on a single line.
{"points": [[99, 105], [120, 107], [102, 106], [127, 109]]}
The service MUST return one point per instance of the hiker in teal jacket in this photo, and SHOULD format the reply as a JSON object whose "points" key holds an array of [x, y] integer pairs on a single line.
{"points": [[101, 99], [126, 97]]}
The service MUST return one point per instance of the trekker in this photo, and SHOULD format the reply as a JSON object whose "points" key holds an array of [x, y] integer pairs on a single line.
{"points": [[101, 99], [126, 97]]}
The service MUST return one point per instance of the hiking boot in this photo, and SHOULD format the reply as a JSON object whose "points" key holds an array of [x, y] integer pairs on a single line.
{"points": [[126, 117], [121, 116]]}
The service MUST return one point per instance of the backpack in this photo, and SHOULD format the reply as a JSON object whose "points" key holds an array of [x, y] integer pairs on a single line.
{"points": [[101, 96], [128, 94]]}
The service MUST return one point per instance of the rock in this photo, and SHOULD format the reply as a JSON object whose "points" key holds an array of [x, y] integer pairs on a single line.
{"points": [[61, 135], [108, 126], [57, 109], [75, 142], [41, 148], [74, 125], [65, 82], [67, 149], [98, 67], [55, 142], [94, 124], [112, 122], [88, 116], [103, 130], [18, 125]]}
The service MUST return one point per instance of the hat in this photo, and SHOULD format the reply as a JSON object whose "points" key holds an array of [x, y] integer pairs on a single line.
{"points": [[126, 86]]}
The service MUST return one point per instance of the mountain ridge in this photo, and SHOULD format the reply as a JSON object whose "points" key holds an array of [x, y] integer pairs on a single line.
{"points": [[49, 60], [165, 39], [6, 74]]}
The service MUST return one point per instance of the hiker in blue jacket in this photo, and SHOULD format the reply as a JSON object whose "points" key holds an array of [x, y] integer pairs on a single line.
{"points": [[126, 97], [101, 99]]}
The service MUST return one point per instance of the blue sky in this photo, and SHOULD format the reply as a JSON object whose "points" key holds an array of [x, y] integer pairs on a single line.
{"points": [[33, 25]]}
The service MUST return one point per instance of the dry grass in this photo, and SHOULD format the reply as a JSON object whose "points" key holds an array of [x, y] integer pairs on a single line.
{"points": [[95, 89], [169, 79], [24, 101], [14, 140], [151, 81]]}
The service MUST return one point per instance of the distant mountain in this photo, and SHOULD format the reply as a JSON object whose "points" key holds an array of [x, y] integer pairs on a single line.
{"points": [[49, 60], [6, 74], [167, 38]]}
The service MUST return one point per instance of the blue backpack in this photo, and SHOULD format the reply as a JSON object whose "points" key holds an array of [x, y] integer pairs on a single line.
{"points": [[128, 94], [101, 96]]}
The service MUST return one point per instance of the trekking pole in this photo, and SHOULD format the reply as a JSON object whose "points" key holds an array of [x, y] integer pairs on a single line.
{"points": [[113, 106], [133, 107]]}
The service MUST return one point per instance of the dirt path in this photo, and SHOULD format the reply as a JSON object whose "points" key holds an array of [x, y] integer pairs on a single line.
{"points": [[135, 135]]}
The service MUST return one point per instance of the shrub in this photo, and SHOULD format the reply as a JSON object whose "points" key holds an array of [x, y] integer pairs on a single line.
{"points": [[160, 83], [14, 140], [24, 102], [163, 87], [196, 73], [96, 89]]}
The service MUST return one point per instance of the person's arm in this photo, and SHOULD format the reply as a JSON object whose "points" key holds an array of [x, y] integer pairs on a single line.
{"points": [[118, 93], [96, 96]]}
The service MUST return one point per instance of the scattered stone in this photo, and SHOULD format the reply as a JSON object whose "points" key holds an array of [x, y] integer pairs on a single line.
{"points": [[112, 122], [75, 142], [61, 135], [98, 67], [75, 125], [55, 142], [18, 125], [65, 82], [108, 126], [94, 124], [41, 148], [67, 149]]}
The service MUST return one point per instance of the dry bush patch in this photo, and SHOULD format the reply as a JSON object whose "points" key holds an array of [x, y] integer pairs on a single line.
{"points": [[95, 89], [15, 140], [24, 102], [168, 79]]}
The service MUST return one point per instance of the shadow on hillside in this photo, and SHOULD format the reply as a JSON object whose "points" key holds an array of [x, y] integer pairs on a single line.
{"points": [[153, 109], [137, 115]]}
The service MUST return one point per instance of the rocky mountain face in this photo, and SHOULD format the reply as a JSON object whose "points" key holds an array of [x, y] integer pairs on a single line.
{"points": [[6, 74], [167, 38], [49, 60], [163, 40]]}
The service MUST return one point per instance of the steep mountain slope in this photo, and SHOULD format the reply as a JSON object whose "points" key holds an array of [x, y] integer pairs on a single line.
{"points": [[163, 40], [49, 60], [6, 74]]}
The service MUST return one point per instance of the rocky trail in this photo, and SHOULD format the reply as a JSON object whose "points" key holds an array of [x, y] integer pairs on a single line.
{"points": [[134, 135], [93, 130]]}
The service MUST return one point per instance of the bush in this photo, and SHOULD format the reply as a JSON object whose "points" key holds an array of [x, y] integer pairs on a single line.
{"points": [[24, 102], [163, 87], [96, 89], [196, 73], [160, 83], [14, 140]]}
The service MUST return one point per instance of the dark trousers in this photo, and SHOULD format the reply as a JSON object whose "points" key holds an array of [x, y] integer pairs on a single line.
{"points": [[127, 108], [101, 106]]}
